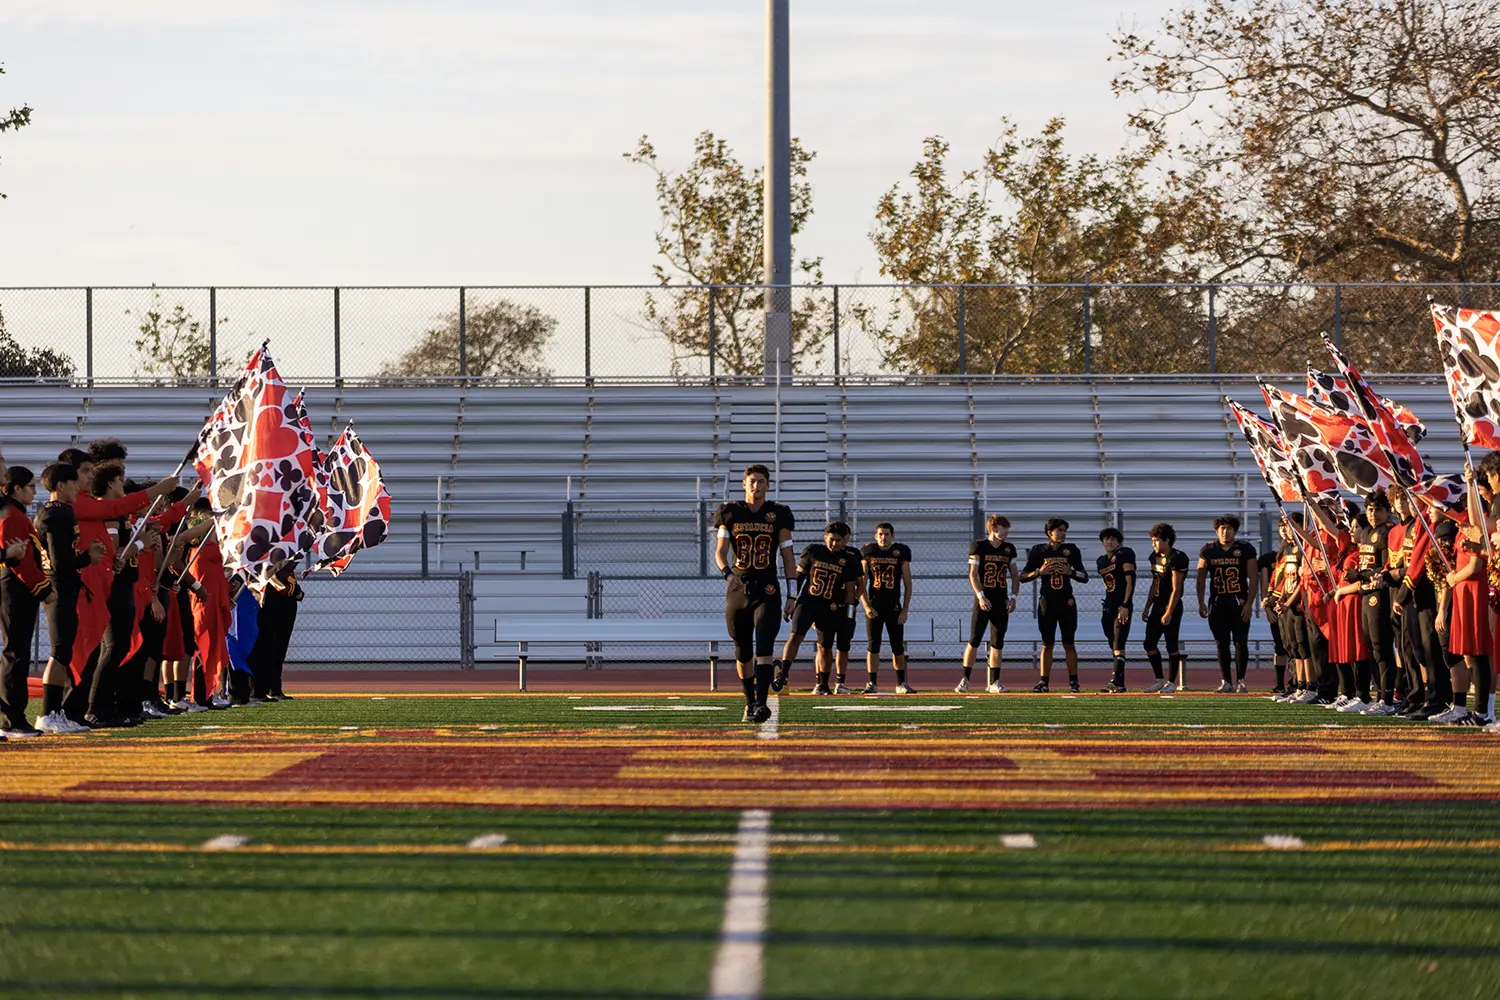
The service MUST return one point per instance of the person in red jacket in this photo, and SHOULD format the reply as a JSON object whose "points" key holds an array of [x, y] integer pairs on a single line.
{"points": [[23, 588]]}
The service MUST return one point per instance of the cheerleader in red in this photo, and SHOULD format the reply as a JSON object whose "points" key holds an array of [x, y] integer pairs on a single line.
{"points": [[1347, 642], [212, 610], [1469, 628]]}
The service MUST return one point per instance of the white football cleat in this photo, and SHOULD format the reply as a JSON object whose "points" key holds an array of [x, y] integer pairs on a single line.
{"points": [[840, 689], [55, 724], [1155, 686], [1353, 706], [150, 711], [1380, 708], [1242, 688], [904, 688], [1453, 714], [963, 686], [995, 688]]}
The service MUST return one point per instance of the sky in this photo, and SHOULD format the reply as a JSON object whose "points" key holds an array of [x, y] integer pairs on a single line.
{"points": [[318, 142]]}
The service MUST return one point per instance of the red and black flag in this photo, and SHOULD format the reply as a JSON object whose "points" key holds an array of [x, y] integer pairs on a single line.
{"points": [[257, 472], [1313, 456], [1276, 466], [358, 508], [1469, 343]]}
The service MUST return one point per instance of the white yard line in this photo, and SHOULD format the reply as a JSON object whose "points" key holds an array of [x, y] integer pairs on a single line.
{"points": [[739, 967]]}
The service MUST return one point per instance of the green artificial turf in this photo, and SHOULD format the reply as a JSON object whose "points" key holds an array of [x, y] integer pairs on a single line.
{"points": [[1141, 903], [804, 714]]}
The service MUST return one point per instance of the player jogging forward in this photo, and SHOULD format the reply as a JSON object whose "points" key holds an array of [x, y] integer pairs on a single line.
{"points": [[1117, 570], [993, 577], [1232, 569], [1058, 563], [824, 573], [1163, 614], [750, 533], [887, 601]]}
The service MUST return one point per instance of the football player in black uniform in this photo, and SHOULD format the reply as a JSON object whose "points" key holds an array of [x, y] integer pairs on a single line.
{"points": [[1117, 570], [836, 634], [887, 601], [1058, 563], [823, 576], [1163, 614], [993, 577], [1232, 568], [751, 533]]}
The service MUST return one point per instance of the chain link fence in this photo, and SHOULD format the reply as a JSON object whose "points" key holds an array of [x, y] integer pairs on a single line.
{"points": [[701, 333]]}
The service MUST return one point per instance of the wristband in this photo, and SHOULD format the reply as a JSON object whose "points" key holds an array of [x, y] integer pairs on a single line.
{"points": [[726, 570]]}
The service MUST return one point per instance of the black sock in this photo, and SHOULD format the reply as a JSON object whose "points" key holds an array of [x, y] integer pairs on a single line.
{"points": [[52, 698], [822, 678], [1072, 677], [872, 676], [968, 672], [748, 683], [1281, 675], [762, 682], [842, 677], [993, 675], [1120, 670], [900, 675], [1241, 661], [1225, 667], [1154, 657]]}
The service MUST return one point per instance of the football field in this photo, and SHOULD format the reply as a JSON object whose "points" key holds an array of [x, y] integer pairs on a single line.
{"points": [[940, 846]]}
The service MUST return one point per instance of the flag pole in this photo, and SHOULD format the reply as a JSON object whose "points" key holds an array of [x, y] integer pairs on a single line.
{"points": [[188, 562], [1302, 492]]}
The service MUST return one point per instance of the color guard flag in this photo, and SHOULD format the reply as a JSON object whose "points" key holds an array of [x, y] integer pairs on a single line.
{"points": [[358, 509]]}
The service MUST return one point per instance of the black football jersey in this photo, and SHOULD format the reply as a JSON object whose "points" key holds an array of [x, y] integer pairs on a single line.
{"points": [[1226, 568], [57, 528], [824, 575], [1055, 567], [883, 574], [1163, 564], [1112, 571], [994, 563], [754, 535], [1373, 545]]}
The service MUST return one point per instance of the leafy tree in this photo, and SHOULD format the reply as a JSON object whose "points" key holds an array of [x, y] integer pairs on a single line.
{"points": [[1344, 140], [174, 343], [501, 338], [15, 118], [36, 362], [1030, 219], [712, 233]]}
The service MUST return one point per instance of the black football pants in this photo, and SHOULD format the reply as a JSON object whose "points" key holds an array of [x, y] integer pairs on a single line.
{"points": [[18, 611], [1227, 622]]}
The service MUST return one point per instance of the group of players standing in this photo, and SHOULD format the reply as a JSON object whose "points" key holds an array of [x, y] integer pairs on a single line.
{"points": [[824, 587], [139, 608]]}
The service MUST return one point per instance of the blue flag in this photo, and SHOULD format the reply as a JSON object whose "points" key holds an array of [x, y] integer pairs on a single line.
{"points": [[243, 630]]}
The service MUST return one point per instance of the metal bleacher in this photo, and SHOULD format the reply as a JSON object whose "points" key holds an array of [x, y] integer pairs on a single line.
{"points": [[625, 473]]}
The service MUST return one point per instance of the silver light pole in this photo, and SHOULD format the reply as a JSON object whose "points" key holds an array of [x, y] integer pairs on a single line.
{"points": [[778, 191]]}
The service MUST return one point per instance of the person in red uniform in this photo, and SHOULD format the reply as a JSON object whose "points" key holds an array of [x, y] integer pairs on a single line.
{"points": [[98, 505], [212, 610], [1469, 620], [1348, 645], [23, 588], [64, 558], [1323, 537]]}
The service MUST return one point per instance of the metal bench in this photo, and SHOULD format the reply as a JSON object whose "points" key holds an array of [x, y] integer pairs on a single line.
{"points": [[528, 631]]}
